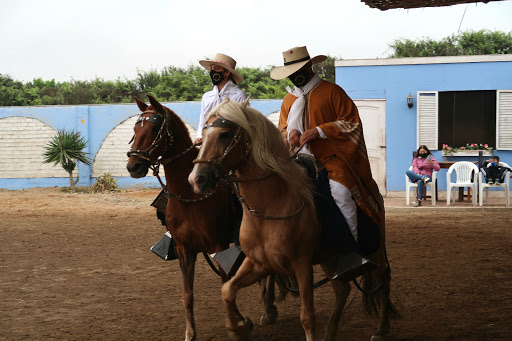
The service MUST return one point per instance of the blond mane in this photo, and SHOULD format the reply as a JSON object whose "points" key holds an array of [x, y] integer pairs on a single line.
{"points": [[268, 149]]}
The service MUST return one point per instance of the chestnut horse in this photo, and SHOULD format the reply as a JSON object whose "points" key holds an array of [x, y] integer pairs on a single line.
{"points": [[197, 223], [280, 231]]}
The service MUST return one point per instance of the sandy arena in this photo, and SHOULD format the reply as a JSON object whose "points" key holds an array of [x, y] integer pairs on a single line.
{"points": [[78, 267]]}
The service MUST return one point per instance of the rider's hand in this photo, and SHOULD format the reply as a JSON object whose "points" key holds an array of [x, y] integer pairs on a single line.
{"points": [[309, 135], [294, 139], [197, 140]]}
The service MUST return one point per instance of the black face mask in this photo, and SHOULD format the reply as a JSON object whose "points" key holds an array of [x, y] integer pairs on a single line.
{"points": [[299, 78], [423, 155], [217, 77]]}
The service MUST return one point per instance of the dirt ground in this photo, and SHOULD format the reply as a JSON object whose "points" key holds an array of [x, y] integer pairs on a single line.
{"points": [[78, 267]]}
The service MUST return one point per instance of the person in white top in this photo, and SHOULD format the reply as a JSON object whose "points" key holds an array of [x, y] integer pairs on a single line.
{"points": [[225, 80]]}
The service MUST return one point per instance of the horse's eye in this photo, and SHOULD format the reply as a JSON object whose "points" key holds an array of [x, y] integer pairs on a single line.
{"points": [[225, 135], [155, 129]]}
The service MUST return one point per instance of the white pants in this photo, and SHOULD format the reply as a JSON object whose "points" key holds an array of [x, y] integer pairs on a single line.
{"points": [[347, 205]]}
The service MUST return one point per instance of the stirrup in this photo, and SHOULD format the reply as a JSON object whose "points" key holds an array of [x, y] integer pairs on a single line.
{"points": [[165, 248], [351, 266], [230, 259]]}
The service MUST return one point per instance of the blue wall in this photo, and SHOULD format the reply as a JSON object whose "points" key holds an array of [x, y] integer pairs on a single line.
{"points": [[95, 122], [394, 82]]}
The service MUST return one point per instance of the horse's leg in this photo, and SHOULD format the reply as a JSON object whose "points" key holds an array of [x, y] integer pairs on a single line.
{"points": [[341, 292], [268, 294], [248, 273], [304, 273], [187, 265]]}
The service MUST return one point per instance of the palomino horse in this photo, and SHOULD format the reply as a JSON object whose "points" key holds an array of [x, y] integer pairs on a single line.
{"points": [[198, 223], [280, 231]]}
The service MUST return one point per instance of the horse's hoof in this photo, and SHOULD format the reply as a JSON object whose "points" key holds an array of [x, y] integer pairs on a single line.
{"points": [[248, 324], [269, 316], [377, 338], [242, 330]]}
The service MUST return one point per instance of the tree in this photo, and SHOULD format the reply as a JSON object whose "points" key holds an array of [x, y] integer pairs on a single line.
{"points": [[465, 43], [66, 149], [11, 92], [326, 69], [169, 84]]}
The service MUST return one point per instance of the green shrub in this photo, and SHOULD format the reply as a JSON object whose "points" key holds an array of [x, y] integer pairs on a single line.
{"points": [[105, 183]]}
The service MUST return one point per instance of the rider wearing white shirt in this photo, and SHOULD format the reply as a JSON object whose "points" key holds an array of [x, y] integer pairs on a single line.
{"points": [[225, 80]]}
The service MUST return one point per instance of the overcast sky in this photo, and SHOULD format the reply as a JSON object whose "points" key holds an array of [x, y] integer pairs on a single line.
{"points": [[84, 39]]}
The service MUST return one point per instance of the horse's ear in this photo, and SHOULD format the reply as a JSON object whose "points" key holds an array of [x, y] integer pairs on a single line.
{"points": [[142, 106], [246, 102], [158, 107]]}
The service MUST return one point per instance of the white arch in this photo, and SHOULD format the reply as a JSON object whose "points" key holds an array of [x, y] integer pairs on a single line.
{"points": [[274, 117], [22, 142], [111, 157]]}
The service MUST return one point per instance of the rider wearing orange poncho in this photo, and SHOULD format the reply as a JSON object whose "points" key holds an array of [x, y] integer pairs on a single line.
{"points": [[321, 116]]}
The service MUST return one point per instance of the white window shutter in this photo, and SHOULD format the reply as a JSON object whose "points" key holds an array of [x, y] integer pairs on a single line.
{"points": [[504, 119], [427, 119]]}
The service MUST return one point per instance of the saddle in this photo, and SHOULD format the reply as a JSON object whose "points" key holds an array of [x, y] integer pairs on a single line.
{"points": [[335, 231]]}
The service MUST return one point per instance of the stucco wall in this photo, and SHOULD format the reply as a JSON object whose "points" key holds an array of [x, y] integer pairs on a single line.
{"points": [[24, 131], [22, 152], [367, 79]]}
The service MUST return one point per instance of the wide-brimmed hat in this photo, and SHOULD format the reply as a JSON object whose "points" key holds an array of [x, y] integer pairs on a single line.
{"points": [[226, 62], [294, 59]]}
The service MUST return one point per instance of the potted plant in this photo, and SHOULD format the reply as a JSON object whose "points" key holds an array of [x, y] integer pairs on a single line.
{"points": [[470, 149]]}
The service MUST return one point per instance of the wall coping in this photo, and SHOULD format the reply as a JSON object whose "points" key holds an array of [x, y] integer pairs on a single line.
{"points": [[425, 60]]}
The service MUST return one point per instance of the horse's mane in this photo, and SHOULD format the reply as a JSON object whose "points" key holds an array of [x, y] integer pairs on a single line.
{"points": [[268, 149]]}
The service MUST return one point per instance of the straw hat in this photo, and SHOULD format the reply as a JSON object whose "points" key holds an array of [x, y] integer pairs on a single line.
{"points": [[294, 59], [224, 61]]}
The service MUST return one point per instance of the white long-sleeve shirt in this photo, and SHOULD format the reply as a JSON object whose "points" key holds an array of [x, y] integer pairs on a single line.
{"points": [[212, 98]]}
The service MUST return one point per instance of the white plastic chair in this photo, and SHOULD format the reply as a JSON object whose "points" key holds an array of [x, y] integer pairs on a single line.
{"points": [[409, 184], [505, 186], [463, 171]]}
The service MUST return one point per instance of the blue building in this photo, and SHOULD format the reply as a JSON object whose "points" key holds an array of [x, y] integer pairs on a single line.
{"points": [[455, 100]]}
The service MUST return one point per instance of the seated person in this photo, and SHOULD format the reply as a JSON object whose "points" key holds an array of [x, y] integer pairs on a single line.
{"points": [[423, 164], [493, 172]]}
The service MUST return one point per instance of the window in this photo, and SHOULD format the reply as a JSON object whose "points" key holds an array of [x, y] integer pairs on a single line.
{"points": [[460, 117], [467, 117]]}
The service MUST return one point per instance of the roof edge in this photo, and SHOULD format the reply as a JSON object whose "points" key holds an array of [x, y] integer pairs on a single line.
{"points": [[425, 60]]}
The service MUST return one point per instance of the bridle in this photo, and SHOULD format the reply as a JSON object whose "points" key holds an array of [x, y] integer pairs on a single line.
{"points": [[228, 177], [158, 119], [165, 136], [219, 170]]}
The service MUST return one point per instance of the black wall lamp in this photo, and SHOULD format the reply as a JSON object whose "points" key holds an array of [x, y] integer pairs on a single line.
{"points": [[409, 100]]}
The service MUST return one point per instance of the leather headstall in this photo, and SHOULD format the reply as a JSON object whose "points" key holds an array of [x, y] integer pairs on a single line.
{"points": [[159, 120], [237, 138]]}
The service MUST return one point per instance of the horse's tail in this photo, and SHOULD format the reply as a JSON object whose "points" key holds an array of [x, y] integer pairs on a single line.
{"points": [[376, 291], [286, 284]]}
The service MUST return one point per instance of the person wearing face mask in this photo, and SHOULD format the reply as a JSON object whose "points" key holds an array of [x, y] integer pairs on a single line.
{"points": [[225, 80], [423, 164], [319, 118]]}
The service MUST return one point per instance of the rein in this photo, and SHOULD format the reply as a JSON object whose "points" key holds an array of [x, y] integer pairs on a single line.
{"points": [[260, 215]]}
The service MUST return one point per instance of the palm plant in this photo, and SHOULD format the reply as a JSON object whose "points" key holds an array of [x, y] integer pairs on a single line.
{"points": [[66, 149]]}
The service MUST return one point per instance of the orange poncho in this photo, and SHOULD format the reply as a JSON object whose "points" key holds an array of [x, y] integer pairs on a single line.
{"points": [[343, 153]]}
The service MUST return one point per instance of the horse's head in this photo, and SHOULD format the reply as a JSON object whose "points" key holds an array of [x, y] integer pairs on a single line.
{"points": [[225, 147], [151, 138]]}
